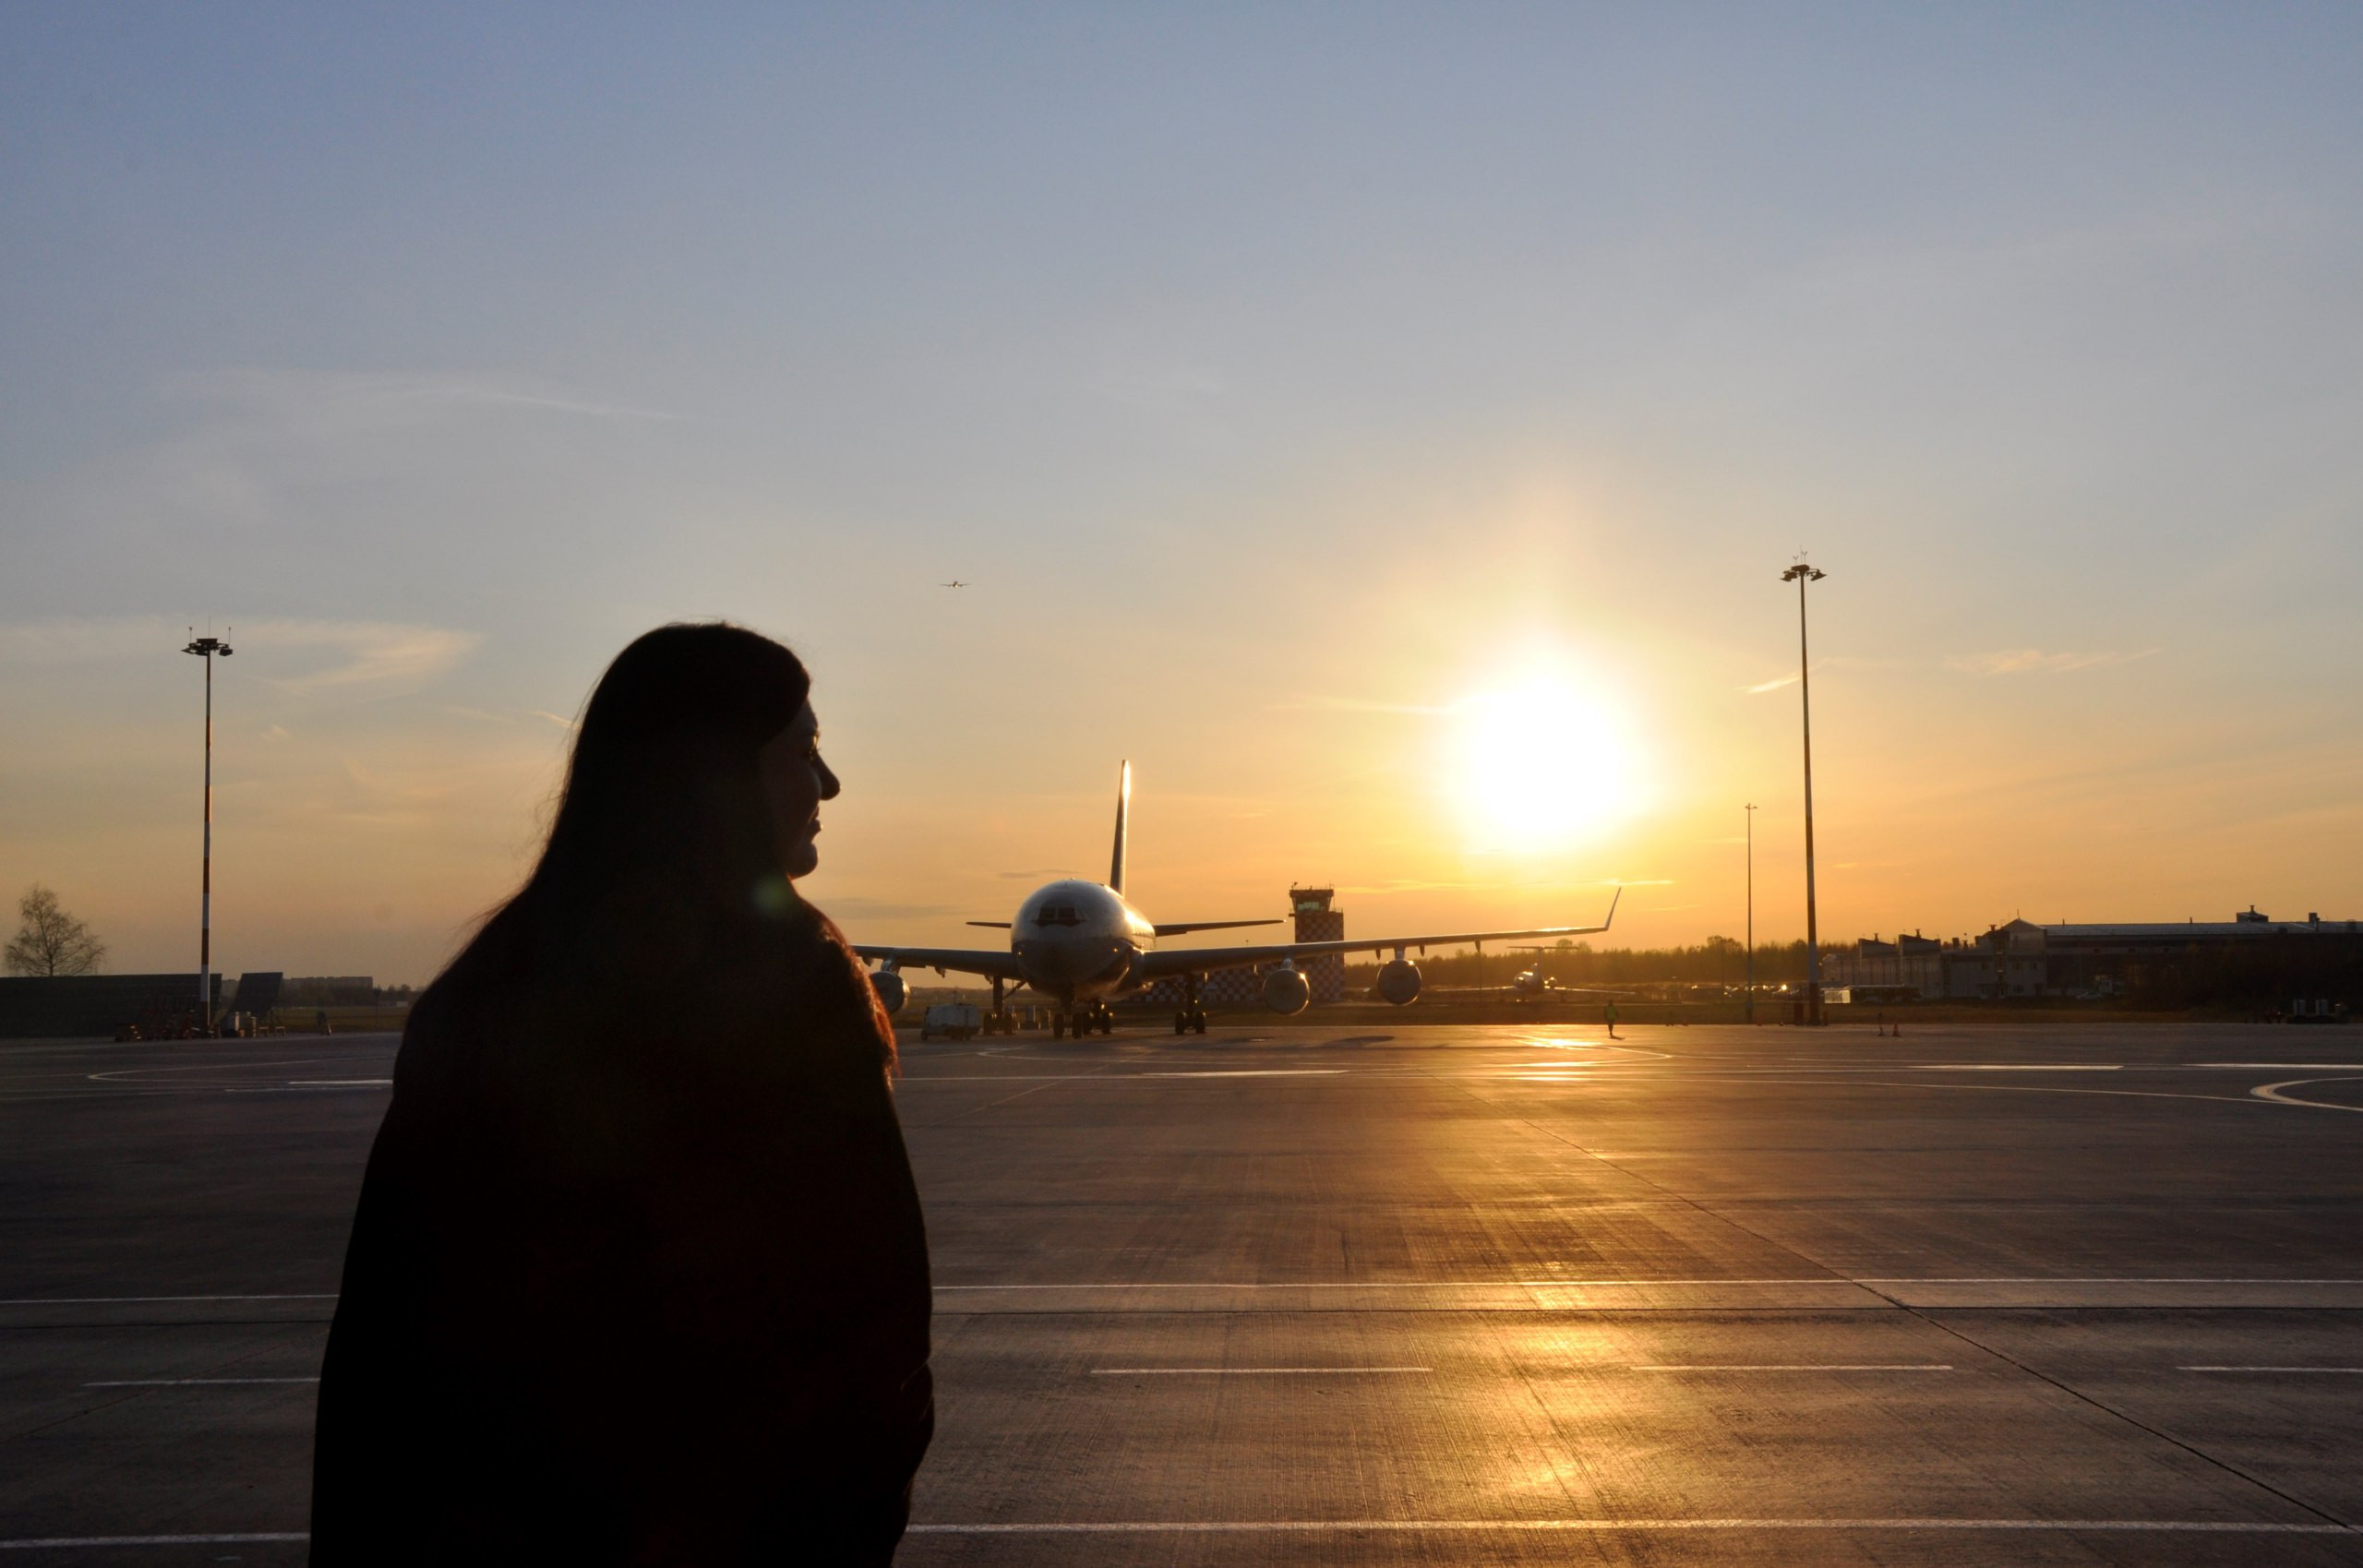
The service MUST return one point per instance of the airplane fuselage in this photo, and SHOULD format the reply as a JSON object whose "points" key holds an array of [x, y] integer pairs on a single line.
{"points": [[1080, 941]]}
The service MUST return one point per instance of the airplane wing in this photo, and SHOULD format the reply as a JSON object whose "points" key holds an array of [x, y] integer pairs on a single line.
{"points": [[992, 963], [1181, 927], [1200, 961]]}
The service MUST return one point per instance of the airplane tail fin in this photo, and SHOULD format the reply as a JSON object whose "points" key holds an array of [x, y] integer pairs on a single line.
{"points": [[1124, 805]]}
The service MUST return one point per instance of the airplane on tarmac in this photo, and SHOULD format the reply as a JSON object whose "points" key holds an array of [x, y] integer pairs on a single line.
{"points": [[1082, 944], [1533, 985]]}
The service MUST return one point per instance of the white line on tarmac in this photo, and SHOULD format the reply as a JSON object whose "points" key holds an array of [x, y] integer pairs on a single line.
{"points": [[2282, 1066], [1435, 1284], [1788, 1367], [2273, 1092], [2083, 1279], [187, 1382], [52, 1543], [1243, 1371], [1404, 1527], [909, 1078], [2013, 1066], [1364, 1284], [1250, 1073], [1607, 1527], [143, 1300], [2269, 1369], [336, 1083]]}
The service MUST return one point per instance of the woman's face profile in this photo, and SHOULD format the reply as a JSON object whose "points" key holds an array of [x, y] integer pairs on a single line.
{"points": [[795, 782]]}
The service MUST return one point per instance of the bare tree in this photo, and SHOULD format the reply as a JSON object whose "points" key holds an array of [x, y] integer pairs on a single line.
{"points": [[49, 942]]}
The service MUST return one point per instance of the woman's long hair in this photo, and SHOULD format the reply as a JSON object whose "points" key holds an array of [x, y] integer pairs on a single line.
{"points": [[662, 846], [663, 796]]}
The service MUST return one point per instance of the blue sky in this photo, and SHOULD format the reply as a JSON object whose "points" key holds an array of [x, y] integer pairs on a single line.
{"points": [[1281, 378]]}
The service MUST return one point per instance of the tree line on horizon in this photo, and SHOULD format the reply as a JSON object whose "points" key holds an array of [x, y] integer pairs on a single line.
{"points": [[1720, 961]]}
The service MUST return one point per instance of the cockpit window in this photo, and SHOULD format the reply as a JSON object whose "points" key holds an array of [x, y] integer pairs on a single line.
{"points": [[1057, 914]]}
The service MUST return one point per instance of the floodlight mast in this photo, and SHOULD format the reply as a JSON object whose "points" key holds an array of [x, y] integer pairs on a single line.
{"points": [[1800, 573], [206, 648]]}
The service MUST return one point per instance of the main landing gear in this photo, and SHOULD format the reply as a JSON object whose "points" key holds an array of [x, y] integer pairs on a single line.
{"points": [[1083, 1021], [1191, 1019]]}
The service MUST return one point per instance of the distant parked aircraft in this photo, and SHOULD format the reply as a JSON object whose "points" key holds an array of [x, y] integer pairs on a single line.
{"points": [[1533, 985], [1080, 943]]}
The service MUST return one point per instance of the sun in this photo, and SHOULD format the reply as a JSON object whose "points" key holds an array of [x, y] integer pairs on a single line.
{"points": [[1540, 766]]}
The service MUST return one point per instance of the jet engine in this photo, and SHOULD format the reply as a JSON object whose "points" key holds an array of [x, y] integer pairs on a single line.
{"points": [[1398, 982], [1287, 990], [892, 989]]}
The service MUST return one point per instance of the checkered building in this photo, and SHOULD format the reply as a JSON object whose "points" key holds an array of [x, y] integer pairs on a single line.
{"points": [[1316, 922]]}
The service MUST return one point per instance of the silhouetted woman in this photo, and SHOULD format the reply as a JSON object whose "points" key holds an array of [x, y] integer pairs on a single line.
{"points": [[638, 1275]]}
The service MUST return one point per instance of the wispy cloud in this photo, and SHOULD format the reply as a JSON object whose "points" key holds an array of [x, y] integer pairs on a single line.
{"points": [[1840, 662], [297, 656], [360, 653], [2035, 661]]}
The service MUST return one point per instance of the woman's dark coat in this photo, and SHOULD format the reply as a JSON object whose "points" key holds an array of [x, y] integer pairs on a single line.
{"points": [[638, 1275]]}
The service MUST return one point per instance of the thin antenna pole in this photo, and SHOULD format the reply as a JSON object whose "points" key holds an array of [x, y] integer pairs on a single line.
{"points": [[1751, 912]]}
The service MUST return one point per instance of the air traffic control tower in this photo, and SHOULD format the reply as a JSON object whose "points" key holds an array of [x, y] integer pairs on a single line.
{"points": [[1318, 922]]}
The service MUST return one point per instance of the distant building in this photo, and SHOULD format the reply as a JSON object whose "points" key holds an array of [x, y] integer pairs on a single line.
{"points": [[2023, 958], [1318, 922], [70, 1006], [1315, 921], [329, 990]]}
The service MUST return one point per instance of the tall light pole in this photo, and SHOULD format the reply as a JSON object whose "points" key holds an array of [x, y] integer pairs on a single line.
{"points": [[1802, 574], [205, 648], [1751, 912]]}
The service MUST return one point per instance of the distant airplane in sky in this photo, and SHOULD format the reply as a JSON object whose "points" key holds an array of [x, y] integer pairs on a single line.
{"points": [[955, 582], [1080, 943]]}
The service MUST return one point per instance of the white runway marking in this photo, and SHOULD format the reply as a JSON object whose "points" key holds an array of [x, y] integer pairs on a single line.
{"points": [[339, 1082], [143, 1300], [1401, 1526], [1243, 1371], [2087, 1279], [1787, 1366], [1253, 1072], [52, 1543], [1518, 1527], [2282, 1066], [1431, 1284], [909, 1078], [125, 1074], [188, 1383], [2308, 1370], [2013, 1066], [1396, 1283], [2273, 1092]]}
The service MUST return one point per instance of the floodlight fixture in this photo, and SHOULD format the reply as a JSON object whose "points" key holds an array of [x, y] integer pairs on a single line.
{"points": [[1800, 572], [206, 648]]}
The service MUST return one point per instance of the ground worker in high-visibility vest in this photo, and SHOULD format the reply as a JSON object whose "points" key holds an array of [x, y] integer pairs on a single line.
{"points": [[1609, 1013]]}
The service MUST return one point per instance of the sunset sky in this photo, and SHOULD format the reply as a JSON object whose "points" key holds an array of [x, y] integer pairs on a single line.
{"points": [[1386, 425]]}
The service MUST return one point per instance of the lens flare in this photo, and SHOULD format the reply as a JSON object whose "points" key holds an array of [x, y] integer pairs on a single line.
{"points": [[1540, 766]]}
